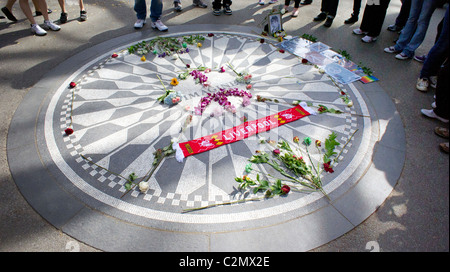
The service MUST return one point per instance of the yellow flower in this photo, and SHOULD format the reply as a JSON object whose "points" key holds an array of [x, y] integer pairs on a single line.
{"points": [[143, 58], [174, 82], [199, 45]]}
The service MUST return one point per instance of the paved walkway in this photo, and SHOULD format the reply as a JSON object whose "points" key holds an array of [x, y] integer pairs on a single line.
{"points": [[401, 223]]}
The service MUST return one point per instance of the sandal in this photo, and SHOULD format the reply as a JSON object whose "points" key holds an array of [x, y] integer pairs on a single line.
{"points": [[444, 147], [443, 132]]}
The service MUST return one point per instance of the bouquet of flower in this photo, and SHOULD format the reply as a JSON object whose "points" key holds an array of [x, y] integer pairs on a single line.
{"points": [[292, 165]]}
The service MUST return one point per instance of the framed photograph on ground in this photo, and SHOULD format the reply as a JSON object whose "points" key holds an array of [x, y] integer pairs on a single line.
{"points": [[275, 23]]}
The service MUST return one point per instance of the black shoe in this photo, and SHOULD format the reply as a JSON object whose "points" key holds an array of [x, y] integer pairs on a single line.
{"points": [[306, 2], [322, 16], [9, 15], [83, 15], [217, 12], [329, 21], [353, 19], [227, 10], [63, 18], [38, 13]]}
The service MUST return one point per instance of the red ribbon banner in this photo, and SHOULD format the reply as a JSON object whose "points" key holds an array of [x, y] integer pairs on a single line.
{"points": [[240, 132]]}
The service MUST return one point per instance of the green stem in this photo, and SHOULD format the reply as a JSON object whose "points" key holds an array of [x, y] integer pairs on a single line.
{"points": [[226, 203], [345, 145]]}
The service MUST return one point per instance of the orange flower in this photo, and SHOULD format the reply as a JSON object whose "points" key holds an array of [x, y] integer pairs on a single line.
{"points": [[174, 82]]}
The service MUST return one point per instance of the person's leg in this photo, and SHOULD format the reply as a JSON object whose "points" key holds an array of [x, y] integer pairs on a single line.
{"points": [[442, 92], [9, 4], [377, 21], [25, 6], [287, 3], [140, 7], [332, 8], [227, 3], [356, 8], [63, 16], [62, 5], [83, 13], [217, 4], [324, 7], [411, 25], [428, 8], [403, 15], [156, 8], [355, 15], [438, 52]]}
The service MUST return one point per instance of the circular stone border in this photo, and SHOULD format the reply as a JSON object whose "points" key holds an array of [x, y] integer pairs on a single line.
{"points": [[99, 226]]}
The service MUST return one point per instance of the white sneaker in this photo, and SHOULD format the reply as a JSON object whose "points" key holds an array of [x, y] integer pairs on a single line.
{"points": [[391, 50], [422, 84], [431, 114], [369, 39], [36, 29], [159, 25], [52, 26], [433, 105], [358, 31], [139, 24], [261, 2]]}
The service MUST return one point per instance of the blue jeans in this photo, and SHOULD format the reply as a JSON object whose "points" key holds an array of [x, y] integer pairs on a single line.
{"points": [[156, 8], [438, 52], [416, 27]]}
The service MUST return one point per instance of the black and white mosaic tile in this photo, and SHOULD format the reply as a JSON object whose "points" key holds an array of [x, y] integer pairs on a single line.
{"points": [[118, 124]]}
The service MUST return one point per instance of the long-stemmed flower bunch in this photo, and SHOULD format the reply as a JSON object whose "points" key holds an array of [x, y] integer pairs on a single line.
{"points": [[242, 77], [291, 163], [165, 46]]}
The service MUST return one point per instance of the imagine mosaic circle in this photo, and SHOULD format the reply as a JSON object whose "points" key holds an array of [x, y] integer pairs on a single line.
{"points": [[118, 124]]}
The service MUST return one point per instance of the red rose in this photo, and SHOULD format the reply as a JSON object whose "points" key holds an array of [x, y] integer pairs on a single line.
{"points": [[188, 66], [285, 189], [72, 84], [276, 152], [261, 40], [281, 51], [210, 34], [327, 168], [114, 55], [304, 61], [68, 131]]}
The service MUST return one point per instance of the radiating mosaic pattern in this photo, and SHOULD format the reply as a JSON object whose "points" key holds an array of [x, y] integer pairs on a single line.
{"points": [[118, 124]]}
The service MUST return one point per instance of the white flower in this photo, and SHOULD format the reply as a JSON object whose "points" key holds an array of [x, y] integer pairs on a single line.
{"points": [[143, 186], [350, 104]]}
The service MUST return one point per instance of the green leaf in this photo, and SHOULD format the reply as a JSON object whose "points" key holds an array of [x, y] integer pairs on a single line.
{"points": [[284, 145], [133, 176], [260, 158]]}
